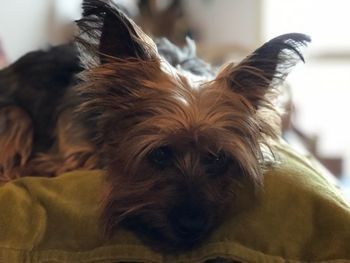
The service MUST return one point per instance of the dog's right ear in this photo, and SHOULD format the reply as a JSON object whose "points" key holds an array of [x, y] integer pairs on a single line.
{"points": [[106, 33], [265, 68]]}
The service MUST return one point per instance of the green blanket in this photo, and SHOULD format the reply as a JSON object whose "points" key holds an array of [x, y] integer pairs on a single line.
{"points": [[300, 216]]}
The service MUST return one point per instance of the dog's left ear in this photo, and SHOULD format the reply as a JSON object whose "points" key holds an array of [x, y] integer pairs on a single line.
{"points": [[265, 67], [107, 33]]}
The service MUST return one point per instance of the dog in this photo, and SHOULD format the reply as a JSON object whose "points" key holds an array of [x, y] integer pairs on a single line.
{"points": [[179, 141]]}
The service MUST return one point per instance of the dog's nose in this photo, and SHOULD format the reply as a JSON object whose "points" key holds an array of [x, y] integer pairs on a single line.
{"points": [[190, 224]]}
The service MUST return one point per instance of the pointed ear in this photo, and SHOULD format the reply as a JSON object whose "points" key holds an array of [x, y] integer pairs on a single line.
{"points": [[105, 32], [266, 67]]}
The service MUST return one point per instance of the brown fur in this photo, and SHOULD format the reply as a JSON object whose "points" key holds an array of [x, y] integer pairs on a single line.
{"points": [[71, 151], [15, 141], [179, 150]]}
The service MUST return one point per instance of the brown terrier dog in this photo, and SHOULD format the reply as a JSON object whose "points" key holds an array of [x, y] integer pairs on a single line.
{"points": [[179, 143]]}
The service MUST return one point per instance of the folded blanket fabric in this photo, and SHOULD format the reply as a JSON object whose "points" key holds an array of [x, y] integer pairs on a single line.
{"points": [[299, 216]]}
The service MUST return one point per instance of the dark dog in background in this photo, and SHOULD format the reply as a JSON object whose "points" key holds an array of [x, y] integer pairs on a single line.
{"points": [[179, 142]]}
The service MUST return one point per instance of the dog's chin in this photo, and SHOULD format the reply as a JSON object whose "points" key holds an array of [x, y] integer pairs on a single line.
{"points": [[164, 239]]}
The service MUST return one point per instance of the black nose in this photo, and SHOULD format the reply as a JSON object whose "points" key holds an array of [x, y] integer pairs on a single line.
{"points": [[190, 223]]}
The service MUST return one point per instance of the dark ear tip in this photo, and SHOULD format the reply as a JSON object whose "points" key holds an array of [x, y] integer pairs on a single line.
{"points": [[295, 41], [288, 42], [295, 37], [91, 7]]}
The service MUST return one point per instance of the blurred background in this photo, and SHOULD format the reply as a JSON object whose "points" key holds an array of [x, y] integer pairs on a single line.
{"points": [[316, 94]]}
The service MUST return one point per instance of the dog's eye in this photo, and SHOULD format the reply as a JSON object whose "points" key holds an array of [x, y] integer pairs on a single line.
{"points": [[161, 157], [216, 164]]}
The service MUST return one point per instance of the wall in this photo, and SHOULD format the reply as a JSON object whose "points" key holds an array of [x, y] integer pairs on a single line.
{"points": [[225, 22], [23, 25]]}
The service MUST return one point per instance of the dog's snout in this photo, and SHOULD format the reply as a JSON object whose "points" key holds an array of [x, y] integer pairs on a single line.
{"points": [[190, 223]]}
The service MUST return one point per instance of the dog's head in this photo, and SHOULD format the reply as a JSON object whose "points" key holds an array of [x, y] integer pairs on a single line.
{"points": [[178, 150]]}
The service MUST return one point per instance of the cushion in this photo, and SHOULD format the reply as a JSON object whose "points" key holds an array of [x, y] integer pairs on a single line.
{"points": [[299, 216]]}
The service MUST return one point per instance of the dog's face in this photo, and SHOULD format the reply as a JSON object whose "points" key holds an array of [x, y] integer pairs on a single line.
{"points": [[178, 153]]}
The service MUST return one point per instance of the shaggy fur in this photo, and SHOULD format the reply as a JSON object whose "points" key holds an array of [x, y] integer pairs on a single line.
{"points": [[180, 143]]}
